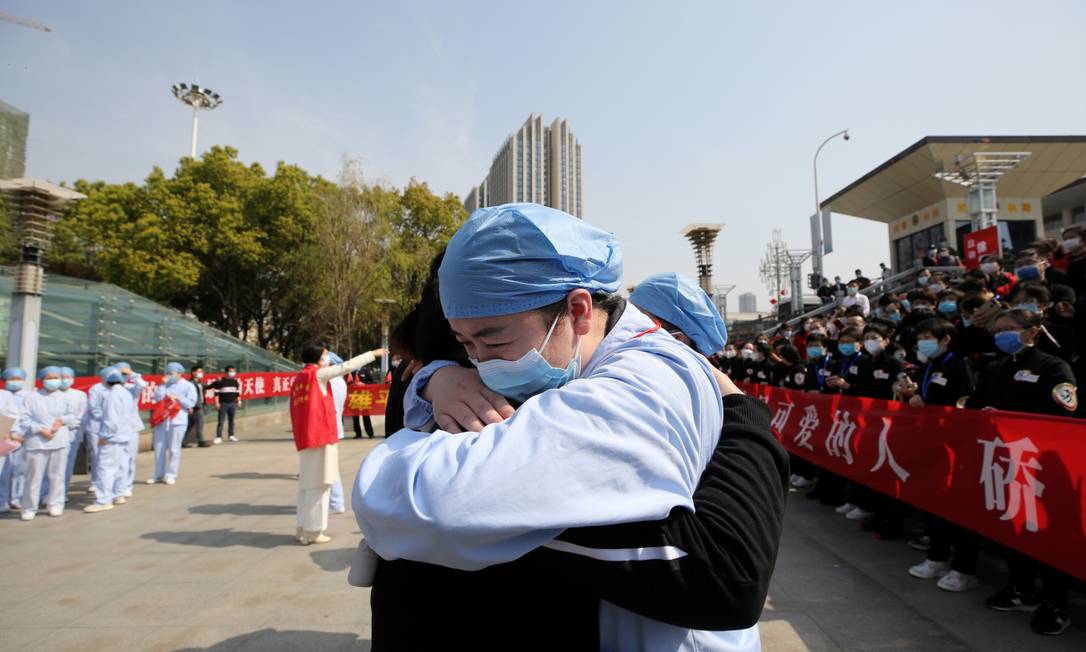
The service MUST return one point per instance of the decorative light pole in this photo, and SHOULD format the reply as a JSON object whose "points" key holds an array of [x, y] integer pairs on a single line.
{"points": [[386, 304], [817, 227], [702, 237], [36, 204], [198, 98]]}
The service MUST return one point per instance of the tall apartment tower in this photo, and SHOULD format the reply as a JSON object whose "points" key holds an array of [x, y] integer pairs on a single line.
{"points": [[537, 164], [748, 302]]}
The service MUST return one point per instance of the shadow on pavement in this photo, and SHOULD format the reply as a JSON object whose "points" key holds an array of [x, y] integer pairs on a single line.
{"points": [[252, 475], [224, 538], [244, 509], [287, 641], [333, 560]]}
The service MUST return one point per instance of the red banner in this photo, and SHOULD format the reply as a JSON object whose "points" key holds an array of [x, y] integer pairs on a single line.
{"points": [[1017, 479], [365, 400], [253, 385], [979, 244]]}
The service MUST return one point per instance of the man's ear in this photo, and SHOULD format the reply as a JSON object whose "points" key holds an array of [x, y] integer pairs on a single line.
{"points": [[579, 304]]}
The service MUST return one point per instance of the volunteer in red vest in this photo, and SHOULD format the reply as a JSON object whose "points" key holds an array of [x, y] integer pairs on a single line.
{"points": [[313, 419]]}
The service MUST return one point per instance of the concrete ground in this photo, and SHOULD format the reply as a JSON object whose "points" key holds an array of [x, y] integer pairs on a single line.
{"points": [[211, 564]]}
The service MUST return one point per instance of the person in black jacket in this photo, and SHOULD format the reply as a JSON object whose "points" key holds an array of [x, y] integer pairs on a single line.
{"points": [[196, 416], [1028, 380], [227, 399]]}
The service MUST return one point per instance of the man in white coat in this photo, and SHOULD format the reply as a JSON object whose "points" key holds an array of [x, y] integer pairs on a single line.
{"points": [[180, 395]]}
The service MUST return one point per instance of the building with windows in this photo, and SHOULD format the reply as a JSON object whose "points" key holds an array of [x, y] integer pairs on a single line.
{"points": [[537, 163], [14, 127], [922, 193], [748, 302]]}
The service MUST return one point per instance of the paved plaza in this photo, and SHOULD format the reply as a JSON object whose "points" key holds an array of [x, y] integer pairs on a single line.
{"points": [[211, 564]]}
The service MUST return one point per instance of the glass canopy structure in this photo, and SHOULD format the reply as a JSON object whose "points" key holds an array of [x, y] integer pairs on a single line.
{"points": [[87, 325]]}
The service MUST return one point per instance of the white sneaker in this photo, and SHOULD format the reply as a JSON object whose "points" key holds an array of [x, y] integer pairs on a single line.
{"points": [[958, 582], [92, 490], [95, 508], [27, 515], [151, 481], [929, 570], [341, 510], [802, 483], [120, 500], [170, 481], [127, 494], [858, 514], [845, 509], [218, 440], [56, 511], [233, 438]]}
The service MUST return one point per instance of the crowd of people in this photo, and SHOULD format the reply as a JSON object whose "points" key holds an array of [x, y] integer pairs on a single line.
{"points": [[51, 423], [1009, 340]]}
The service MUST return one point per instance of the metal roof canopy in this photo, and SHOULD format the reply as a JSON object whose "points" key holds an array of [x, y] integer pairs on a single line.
{"points": [[907, 182]]}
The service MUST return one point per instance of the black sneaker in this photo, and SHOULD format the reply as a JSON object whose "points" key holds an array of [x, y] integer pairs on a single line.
{"points": [[921, 543], [205, 444], [186, 445], [1010, 600], [1050, 620]]}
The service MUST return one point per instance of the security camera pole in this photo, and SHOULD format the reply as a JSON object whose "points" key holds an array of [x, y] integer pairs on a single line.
{"points": [[199, 99], [820, 225]]}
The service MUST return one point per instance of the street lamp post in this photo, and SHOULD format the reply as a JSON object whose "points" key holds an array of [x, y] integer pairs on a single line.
{"points": [[386, 303], [199, 99], [816, 234]]}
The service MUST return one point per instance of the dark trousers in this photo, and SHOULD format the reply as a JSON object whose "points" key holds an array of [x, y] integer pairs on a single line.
{"points": [[945, 535], [226, 411], [367, 423], [196, 425]]}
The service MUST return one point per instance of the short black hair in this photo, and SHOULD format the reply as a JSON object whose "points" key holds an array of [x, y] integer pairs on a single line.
{"points": [[852, 333], [886, 324], [226, 368], [972, 301], [879, 329], [789, 353], [887, 299], [1035, 291], [197, 367], [1063, 293], [920, 295], [936, 326], [312, 352], [815, 338], [854, 311], [1023, 318]]}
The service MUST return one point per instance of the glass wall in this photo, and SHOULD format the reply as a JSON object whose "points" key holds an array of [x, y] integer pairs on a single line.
{"points": [[911, 248]]}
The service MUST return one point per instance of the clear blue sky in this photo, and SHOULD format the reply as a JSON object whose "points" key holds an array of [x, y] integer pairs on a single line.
{"points": [[688, 111]]}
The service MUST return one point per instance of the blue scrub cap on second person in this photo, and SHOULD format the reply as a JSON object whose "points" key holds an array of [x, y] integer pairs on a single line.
{"points": [[67, 371], [113, 375], [519, 257], [51, 369], [680, 301], [175, 368], [12, 373]]}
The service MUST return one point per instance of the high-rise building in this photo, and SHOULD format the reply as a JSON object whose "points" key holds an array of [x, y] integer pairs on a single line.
{"points": [[538, 164], [748, 302], [14, 126]]}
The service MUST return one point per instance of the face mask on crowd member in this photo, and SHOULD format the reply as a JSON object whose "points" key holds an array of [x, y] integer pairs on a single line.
{"points": [[748, 351], [933, 338], [923, 278], [729, 352], [875, 339], [50, 378], [847, 347], [815, 347], [990, 266], [679, 300], [1073, 239], [67, 377], [1032, 297], [948, 307], [1014, 331], [14, 378], [936, 285], [197, 373], [852, 289], [231, 372]]}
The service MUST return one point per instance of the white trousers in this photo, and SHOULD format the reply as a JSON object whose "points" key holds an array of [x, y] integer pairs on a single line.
{"points": [[39, 464], [111, 472], [12, 478], [167, 446], [335, 497], [132, 451], [313, 508]]}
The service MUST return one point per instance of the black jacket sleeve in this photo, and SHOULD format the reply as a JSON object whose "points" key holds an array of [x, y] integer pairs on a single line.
{"points": [[730, 541]]}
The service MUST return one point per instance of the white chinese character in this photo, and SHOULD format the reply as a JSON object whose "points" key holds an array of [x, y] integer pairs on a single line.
{"points": [[839, 441], [806, 426], [247, 386], [998, 480], [886, 455], [982, 247], [780, 419], [258, 385]]}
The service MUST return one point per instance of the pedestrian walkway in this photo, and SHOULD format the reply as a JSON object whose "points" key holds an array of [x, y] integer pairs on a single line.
{"points": [[211, 564]]}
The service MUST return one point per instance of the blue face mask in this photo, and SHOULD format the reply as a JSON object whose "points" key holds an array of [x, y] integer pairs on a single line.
{"points": [[815, 351], [1032, 307], [1009, 342], [928, 348], [906, 304], [848, 348], [966, 323], [531, 374], [13, 385], [1028, 273], [66, 383], [948, 307], [894, 317], [171, 378], [51, 384]]}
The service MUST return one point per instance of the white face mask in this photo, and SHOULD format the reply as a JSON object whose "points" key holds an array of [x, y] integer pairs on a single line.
{"points": [[231, 374], [923, 280], [748, 354], [198, 375], [989, 268], [852, 290], [1071, 244], [729, 354], [874, 347]]}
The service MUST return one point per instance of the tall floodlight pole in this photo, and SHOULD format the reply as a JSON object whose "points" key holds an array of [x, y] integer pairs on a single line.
{"points": [[36, 205], [702, 237], [385, 317], [720, 298], [980, 173], [200, 99], [816, 219]]}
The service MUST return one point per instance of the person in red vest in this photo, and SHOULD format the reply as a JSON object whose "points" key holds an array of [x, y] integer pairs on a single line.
{"points": [[313, 420]]}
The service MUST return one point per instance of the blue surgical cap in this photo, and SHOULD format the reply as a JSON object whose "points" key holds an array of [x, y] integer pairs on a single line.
{"points": [[113, 375], [67, 371], [45, 371], [12, 373], [175, 368], [334, 359], [519, 257], [121, 366], [105, 372], [680, 301]]}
